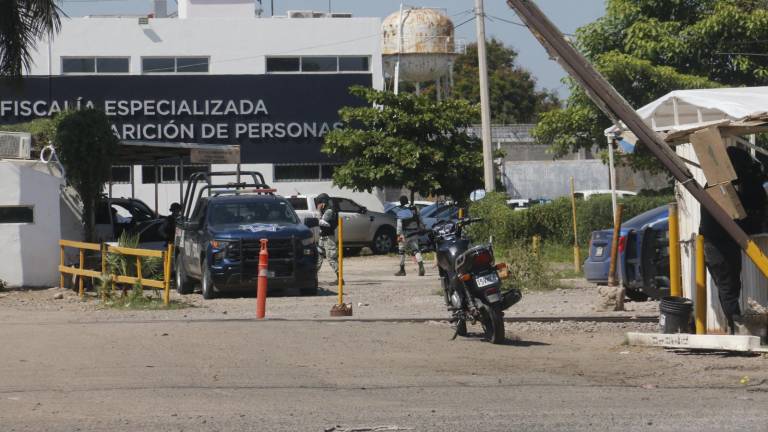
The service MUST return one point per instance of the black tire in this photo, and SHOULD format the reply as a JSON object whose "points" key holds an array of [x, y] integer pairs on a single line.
{"points": [[461, 328], [352, 251], [383, 241], [636, 295], [184, 285], [493, 324], [311, 291], [206, 282]]}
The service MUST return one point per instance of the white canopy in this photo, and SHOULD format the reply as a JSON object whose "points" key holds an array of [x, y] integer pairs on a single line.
{"points": [[690, 109]]}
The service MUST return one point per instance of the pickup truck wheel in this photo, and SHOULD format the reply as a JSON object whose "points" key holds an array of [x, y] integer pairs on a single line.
{"points": [[207, 282], [383, 241], [311, 291], [184, 284]]}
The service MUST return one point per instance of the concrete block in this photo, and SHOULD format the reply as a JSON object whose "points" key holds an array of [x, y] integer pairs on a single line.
{"points": [[692, 341]]}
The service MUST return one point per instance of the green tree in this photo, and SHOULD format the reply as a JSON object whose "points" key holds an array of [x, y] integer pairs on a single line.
{"points": [[647, 48], [86, 147], [512, 92], [407, 141], [22, 24]]}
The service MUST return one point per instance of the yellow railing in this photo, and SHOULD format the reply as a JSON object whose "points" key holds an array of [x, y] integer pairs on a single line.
{"points": [[82, 272]]}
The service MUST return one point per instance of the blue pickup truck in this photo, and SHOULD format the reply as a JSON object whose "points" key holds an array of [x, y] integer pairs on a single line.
{"points": [[218, 238]]}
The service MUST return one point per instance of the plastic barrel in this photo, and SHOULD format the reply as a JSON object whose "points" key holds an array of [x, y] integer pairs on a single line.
{"points": [[675, 315]]}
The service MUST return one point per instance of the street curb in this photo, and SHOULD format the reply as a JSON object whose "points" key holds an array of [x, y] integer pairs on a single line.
{"points": [[541, 319]]}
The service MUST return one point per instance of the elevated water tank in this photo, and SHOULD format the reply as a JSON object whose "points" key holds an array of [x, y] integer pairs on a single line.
{"points": [[426, 47]]}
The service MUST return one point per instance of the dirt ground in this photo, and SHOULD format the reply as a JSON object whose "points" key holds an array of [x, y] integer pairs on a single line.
{"points": [[371, 287], [73, 366]]}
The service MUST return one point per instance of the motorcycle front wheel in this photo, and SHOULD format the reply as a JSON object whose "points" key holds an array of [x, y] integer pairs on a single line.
{"points": [[493, 323]]}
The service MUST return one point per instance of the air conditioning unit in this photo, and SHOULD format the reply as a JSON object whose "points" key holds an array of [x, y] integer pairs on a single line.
{"points": [[15, 145], [301, 14]]}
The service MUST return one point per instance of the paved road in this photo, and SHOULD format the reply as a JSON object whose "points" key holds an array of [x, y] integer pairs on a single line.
{"points": [[297, 376]]}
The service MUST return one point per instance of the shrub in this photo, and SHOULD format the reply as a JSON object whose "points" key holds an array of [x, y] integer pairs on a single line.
{"points": [[552, 221], [527, 271]]}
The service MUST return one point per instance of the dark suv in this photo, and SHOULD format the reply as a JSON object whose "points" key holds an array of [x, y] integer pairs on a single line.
{"points": [[218, 241]]}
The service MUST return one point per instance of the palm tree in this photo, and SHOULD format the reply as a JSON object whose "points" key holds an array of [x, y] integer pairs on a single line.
{"points": [[22, 24]]}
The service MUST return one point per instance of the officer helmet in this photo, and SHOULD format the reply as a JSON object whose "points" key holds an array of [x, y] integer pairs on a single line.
{"points": [[322, 198]]}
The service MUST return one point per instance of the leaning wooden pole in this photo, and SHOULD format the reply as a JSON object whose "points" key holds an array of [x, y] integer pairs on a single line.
{"points": [[616, 108]]}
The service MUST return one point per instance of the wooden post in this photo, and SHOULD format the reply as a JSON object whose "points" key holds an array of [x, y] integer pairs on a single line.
{"points": [[103, 271], [80, 276], [138, 272], [675, 276], [700, 307], [167, 275], [612, 281], [576, 252], [61, 263]]}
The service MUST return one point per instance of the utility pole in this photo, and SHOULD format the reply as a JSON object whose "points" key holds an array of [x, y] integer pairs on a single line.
{"points": [[485, 107]]}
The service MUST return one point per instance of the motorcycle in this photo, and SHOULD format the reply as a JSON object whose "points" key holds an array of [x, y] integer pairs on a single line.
{"points": [[471, 280]]}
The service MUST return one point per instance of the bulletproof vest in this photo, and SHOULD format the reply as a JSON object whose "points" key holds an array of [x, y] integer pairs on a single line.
{"points": [[332, 218], [412, 224]]}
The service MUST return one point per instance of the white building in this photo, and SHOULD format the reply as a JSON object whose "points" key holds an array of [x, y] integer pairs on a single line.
{"points": [[215, 74]]}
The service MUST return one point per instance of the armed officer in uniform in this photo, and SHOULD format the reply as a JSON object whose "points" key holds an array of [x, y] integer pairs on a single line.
{"points": [[409, 228], [722, 255], [329, 221]]}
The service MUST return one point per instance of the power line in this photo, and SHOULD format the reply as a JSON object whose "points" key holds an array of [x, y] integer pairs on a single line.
{"points": [[459, 25]]}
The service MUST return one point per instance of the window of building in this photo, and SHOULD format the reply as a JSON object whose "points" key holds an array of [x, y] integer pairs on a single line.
{"points": [[306, 172], [107, 65], [326, 172], [315, 64], [16, 214], [98, 65], [148, 174], [319, 64], [150, 65], [283, 64], [169, 173], [78, 65], [353, 64], [121, 174], [192, 64]]}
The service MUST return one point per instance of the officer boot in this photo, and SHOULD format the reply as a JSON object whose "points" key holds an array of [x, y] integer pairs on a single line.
{"points": [[421, 268], [401, 272]]}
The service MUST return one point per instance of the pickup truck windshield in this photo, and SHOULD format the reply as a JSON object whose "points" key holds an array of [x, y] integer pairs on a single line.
{"points": [[238, 213]]}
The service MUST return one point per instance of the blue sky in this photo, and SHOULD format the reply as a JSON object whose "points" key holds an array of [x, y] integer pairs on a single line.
{"points": [[568, 15]]}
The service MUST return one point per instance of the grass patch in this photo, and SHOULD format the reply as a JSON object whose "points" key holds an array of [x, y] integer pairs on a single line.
{"points": [[138, 299]]}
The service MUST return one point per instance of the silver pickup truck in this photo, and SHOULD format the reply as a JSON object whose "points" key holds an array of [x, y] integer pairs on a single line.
{"points": [[362, 227]]}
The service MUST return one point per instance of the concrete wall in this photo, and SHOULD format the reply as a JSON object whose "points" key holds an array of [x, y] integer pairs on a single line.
{"points": [[30, 250], [551, 179]]}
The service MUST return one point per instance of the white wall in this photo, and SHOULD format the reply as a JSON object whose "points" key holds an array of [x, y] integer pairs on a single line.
{"points": [[234, 45], [169, 192], [30, 250]]}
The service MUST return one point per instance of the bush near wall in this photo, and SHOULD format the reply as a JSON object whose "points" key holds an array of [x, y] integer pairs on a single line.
{"points": [[552, 221]]}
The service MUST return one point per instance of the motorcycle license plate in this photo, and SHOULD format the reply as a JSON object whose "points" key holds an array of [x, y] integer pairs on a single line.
{"points": [[489, 279]]}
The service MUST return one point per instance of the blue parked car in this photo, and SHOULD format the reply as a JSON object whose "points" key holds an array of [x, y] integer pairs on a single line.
{"points": [[643, 255]]}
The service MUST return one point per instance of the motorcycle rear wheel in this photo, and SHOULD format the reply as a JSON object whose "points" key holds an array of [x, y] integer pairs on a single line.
{"points": [[461, 327], [493, 324]]}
